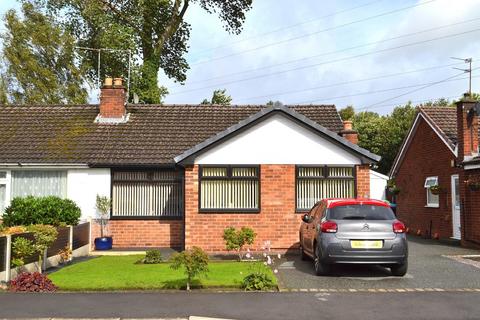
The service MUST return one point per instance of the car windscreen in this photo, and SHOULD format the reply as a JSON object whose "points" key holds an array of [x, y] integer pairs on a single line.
{"points": [[360, 212]]}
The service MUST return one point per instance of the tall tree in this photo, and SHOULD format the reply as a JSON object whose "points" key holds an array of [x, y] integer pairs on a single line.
{"points": [[3, 90], [40, 60], [347, 113], [219, 97], [155, 31]]}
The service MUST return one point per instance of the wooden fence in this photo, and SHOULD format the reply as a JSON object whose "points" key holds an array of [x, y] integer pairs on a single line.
{"points": [[77, 238]]}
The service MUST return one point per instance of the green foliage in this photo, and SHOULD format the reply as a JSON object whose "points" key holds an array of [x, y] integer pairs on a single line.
{"points": [[219, 97], [274, 103], [383, 135], [154, 30], [347, 113], [257, 281], [40, 60], [22, 248], [194, 262], [103, 205], [41, 210], [236, 240], [152, 256], [44, 236]]}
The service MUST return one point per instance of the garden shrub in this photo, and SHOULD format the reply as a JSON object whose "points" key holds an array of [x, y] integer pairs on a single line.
{"points": [[236, 240], [257, 281], [49, 210], [152, 256], [194, 261], [32, 282], [22, 248], [44, 236]]}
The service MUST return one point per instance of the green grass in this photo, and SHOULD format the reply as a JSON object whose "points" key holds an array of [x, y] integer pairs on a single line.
{"points": [[121, 273]]}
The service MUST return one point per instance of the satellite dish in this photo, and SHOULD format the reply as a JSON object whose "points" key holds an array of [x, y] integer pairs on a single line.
{"points": [[136, 98]]}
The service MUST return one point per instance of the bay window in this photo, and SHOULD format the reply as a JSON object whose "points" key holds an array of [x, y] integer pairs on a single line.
{"points": [[314, 183], [229, 188]]}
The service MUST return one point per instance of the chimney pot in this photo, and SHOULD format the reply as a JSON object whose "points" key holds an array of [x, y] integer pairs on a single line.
{"points": [[108, 81], [118, 82], [348, 132], [347, 125]]}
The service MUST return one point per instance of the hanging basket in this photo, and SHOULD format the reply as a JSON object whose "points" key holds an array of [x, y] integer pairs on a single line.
{"points": [[436, 190]]}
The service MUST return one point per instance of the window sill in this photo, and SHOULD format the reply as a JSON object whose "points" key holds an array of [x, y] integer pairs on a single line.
{"points": [[146, 218], [229, 211], [432, 206]]}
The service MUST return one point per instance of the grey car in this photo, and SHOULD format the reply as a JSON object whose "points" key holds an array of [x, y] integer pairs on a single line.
{"points": [[355, 231]]}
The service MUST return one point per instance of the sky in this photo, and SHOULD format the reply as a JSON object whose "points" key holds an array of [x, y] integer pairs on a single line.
{"points": [[372, 54]]}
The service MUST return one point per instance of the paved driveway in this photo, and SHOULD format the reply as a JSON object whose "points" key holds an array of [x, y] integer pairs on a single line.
{"points": [[428, 268]]}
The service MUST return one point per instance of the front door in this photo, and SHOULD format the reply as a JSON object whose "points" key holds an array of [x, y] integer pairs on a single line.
{"points": [[457, 233]]}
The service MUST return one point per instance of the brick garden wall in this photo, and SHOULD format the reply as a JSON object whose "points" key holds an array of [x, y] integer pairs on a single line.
{"points": [[426, 156], [277, 221]]}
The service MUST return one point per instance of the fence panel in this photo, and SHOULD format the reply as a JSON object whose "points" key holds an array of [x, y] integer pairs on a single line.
{"points": [[29, 236], [61, 242], [3, 252], [81, 234]]}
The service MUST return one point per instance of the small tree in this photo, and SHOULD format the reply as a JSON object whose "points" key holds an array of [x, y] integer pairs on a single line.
{"points": [[44, 236], [103, 205], [236, 240], [194, 261], [22, 248]]}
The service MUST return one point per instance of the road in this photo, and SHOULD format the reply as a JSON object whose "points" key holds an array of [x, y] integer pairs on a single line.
{"points": [[239, 305]]}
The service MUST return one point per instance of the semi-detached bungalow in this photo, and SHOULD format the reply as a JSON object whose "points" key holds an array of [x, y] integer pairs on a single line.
{"points": [[179, 174]]}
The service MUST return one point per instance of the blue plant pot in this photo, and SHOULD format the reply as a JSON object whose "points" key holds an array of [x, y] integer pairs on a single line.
{"points": [[104, 243]]}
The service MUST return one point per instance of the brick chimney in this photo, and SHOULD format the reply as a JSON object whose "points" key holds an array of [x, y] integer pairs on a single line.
{"points": [[112, 100], [467, 129], [348, 132]]}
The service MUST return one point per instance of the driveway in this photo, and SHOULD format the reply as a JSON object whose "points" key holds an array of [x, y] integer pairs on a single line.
{"points": [[428, 268]]}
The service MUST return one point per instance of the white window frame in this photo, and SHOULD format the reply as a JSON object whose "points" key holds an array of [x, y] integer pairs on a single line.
{"points": [[7, 182], [430, 181]]}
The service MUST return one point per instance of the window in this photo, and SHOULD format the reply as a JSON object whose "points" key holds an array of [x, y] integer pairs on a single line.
{"points": [[432, 199], [361, 212], [147, 194], [3, 191], [316, 183], [229, 188], [39, 183]]}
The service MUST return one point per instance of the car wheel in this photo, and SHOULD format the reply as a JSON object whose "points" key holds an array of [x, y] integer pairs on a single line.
{"points": [[321, 269], [399, 270]]}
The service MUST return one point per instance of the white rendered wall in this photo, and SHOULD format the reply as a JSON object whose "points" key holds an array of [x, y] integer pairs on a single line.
{"points": [[378, 183], [83, 185], [277, 140]]}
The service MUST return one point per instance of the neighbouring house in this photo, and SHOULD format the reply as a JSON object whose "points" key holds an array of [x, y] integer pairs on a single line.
{"points": [[437, 170], [179, 174]]}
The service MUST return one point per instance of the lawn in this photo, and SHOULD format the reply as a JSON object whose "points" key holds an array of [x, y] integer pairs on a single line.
{"points": [[122, 273]]}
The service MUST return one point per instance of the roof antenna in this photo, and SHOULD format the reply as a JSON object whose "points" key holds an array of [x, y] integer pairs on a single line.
{"points": [[469, 71], [99, 52]]}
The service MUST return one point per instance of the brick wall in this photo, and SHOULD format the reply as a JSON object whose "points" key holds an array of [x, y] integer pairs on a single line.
{"points": [[277, 221], [363, 181], [471, 207], [143, 233], [426, 156]]}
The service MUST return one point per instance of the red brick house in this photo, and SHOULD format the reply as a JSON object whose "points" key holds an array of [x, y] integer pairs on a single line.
{"points": [[441, 149], [179, 174]]}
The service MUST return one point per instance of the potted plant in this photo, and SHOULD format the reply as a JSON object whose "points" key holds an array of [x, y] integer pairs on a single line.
{"points": [[104, 242], [435, 189], [474, 184], [392, 187]]}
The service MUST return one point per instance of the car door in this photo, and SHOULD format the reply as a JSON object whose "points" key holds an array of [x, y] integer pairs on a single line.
{"points": [[309, 231]]}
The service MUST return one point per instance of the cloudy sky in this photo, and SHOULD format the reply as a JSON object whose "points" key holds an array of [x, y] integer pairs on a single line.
{"points": [[366, 53]]}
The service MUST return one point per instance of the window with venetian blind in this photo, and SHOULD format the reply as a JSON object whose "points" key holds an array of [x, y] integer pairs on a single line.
{"points": [[229, 188], [147, 194], [320, 182]]}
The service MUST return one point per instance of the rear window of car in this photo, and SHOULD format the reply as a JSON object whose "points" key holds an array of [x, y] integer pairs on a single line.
{"points": [[360, 212]]}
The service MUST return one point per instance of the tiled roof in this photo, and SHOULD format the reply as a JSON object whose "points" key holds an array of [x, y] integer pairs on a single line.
{"points": [[154, 134], [445, 118]]}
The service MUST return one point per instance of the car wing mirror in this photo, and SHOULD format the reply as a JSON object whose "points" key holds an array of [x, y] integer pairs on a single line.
{"points": [[306, 218]]}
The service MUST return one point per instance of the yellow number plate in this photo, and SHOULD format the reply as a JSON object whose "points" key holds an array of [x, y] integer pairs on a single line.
{"points": [[366, 244]]}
